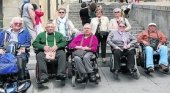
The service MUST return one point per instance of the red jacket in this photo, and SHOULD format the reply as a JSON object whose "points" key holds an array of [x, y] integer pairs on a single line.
{"points": [[38, 14]]}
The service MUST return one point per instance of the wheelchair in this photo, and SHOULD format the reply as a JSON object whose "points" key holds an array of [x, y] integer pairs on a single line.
{"points": [[142, 58], [75, 74], [12, 83], [123, 66], [52, 72]]}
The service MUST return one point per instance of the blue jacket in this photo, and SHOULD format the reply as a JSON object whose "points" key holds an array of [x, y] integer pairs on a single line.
{"points": [[24, 38]]}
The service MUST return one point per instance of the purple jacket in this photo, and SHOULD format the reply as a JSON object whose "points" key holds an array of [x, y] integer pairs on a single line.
{"points": [[86, 42]]}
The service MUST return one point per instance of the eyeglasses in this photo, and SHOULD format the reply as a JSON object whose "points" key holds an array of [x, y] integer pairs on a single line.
{"points": [[17, 23], [62, 12]]}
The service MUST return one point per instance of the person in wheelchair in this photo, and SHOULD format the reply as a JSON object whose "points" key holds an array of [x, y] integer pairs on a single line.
{"points": [[22, 39], [154, 40], [122, 43], [85, 45], [50, 47]]}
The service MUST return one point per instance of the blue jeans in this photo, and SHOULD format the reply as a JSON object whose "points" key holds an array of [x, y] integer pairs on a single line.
{"points": [[163, 52]]}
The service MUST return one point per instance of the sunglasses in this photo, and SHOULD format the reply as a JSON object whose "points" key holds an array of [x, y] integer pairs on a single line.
{"points": [[62, 12], [117, 12], [122, 26], [17, 23]]}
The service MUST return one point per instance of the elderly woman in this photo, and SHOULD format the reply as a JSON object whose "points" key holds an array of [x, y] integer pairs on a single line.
{"points": [[115, 22], [87, 42], [121, 43], [100, 25]]}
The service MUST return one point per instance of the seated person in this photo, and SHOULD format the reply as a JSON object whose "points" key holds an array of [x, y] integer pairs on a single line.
{"points": [[50, 41], [17, 34], [148, 36], [122, 43], [89, 43]]}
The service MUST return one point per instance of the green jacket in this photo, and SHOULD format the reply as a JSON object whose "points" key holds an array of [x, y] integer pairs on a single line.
{"points": [[40, 40]]}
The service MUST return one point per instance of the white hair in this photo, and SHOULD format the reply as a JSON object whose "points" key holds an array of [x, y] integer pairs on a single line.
{"points": [[16, 18]]}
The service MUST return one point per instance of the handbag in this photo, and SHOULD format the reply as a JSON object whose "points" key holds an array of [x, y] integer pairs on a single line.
{"points": [[81, 52], [8, 64], [153, 42], [50, 55]]}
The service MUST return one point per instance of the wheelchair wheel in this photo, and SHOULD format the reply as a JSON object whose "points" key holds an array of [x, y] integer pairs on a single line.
{"points": [[112, 63]]}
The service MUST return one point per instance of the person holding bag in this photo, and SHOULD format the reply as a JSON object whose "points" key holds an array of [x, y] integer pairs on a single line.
{"points": [[100, 25], [154, 40], [50, 45], [87, 44]]}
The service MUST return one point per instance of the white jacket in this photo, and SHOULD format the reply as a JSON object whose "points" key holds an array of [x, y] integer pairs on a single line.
{"points": [[113, 24], [104, 24]]}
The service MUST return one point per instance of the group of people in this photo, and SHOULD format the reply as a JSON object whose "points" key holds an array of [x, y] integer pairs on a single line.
{"points": [[51, 43], [31, 14]]}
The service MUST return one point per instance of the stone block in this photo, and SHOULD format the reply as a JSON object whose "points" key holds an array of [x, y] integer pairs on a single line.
{"points": [[11, 12]]}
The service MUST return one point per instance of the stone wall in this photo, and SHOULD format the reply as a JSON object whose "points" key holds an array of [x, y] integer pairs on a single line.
{"points": [[145, 14], [10, 10]]}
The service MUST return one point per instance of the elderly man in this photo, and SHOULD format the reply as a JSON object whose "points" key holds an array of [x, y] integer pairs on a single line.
{"points": [[154, 40], [17, 34], [87, 42], [50, 41]]}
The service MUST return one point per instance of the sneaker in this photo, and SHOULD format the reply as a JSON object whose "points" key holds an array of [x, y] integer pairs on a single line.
{"points": [[150, 69], [61, 77], [164, 68], [43, 81], [92, 77], [82, 79], [132, 70]]}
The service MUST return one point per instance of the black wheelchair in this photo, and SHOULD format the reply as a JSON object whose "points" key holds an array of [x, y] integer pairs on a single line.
{"points": [[74, 74], [13, 83], [142, 59], [123, 66], [52, 72]]}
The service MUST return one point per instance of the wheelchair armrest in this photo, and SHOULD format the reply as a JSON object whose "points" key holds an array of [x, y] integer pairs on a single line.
{"points": [[136, 45]]}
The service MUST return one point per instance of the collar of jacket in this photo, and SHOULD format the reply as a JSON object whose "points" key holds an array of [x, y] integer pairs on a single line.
{"points": [[10, 30]]}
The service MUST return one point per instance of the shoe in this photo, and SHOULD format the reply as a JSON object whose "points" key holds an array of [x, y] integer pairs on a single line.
{"points": [[132, 70], [150, 69], [83, 78], [164, 68], [116, 73], [43, 81], [92, 77], [104, 60], [61, 77]]}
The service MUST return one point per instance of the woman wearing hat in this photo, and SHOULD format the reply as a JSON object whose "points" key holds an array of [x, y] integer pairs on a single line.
{"points": [[154, 40], [114, 23]]}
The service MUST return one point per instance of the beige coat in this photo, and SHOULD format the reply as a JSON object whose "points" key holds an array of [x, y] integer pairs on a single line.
{"points": [[104, 24], [113, 24]]}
